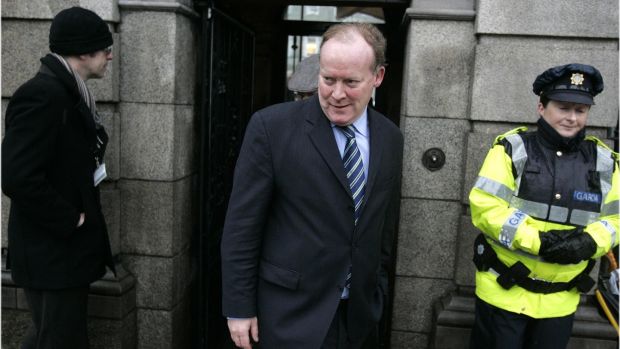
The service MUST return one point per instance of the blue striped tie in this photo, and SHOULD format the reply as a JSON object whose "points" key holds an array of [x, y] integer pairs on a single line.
{"points": [[354, 166]]}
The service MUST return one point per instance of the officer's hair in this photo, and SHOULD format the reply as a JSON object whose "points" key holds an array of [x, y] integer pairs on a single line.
{"points": [[544, 100], [369, 32]]}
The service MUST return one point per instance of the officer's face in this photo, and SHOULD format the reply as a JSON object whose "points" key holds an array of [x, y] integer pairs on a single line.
{"points": [[565, 117], [347, 77]]}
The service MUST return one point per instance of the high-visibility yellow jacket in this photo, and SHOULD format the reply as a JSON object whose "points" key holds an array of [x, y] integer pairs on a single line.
{"points": [[527, 186]]}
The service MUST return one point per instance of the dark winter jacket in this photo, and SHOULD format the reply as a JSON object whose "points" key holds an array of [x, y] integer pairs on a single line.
{"points": [[48, 162]]}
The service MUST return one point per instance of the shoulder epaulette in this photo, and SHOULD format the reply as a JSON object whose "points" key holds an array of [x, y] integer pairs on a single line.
{"points": [[511, 132], [602, 144]]}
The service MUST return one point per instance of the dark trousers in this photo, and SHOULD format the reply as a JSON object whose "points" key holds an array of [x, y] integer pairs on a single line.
{"points": [[337, 336], [59, 319], [495, 328]]}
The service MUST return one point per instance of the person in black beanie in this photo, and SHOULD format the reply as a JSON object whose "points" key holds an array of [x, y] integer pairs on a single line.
{"points": [[52, 165], [546, 203]]}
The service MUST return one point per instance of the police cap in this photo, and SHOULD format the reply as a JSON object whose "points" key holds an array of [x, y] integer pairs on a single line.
{"points": [[577, 83]]}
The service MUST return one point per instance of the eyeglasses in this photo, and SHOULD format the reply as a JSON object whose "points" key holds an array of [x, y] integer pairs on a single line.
{"points": [[107, 50]]}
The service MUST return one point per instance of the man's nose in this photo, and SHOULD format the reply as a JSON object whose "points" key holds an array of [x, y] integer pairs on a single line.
{"points": [[339, 91]]}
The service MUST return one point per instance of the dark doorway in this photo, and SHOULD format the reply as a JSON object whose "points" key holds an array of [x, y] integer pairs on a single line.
{"points": [[243, 68], [227, 73]]}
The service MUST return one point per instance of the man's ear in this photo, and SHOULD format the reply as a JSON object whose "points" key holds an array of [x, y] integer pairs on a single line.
{"points": [[379, 76]]}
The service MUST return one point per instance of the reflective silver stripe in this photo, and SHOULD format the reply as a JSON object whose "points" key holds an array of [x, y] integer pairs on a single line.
{"points": [[517, 251], [509, 229], [583, 218], [605, 168], [612, 232], [519, 157], [494, 188], [610, 208], [531, 208], [558, 214]]}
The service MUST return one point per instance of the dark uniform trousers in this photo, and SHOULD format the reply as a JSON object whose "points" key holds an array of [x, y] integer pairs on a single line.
{"points": [[337, 336], [59, 319], [495, 328]]}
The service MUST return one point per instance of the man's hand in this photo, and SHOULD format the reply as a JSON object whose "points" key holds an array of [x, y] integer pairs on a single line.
{"points": [[81, 221], [240, 330]]}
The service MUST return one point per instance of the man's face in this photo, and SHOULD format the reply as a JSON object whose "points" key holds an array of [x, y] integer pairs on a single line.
{"points": [[96, 63], [565, 117], [347, 77]]}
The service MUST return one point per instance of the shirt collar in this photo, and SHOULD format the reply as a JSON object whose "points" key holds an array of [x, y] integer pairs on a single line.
{"points": [[361, 124]]}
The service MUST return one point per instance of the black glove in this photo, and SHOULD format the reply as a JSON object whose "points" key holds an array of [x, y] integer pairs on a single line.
{"points": [[552, 237], [569, 248]]}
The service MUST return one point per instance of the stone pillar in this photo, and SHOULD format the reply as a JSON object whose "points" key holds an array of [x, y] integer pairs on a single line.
{"points": [[157, 163], [436, 85], [112, 304]]}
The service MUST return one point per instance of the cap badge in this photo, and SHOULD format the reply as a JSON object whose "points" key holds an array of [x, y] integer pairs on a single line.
{"points": [[576, 79]]}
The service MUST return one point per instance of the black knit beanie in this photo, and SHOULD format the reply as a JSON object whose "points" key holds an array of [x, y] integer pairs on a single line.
{"points": [[77, 31]]}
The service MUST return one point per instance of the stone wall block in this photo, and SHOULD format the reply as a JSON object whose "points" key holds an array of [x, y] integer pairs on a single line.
{"points": [[503, 92], [185, 57], [465, 274], [155, 216], [438, 69], [110, 204], [161, 282], [408, 340], [147, 217], [15, 324], [574, 18], [157, 141], [6, 207], [427, 238], [155, 65], [422, 134], [154, 280], [23, 44], [186, 141], [47, 9], [164, 329], [478, 145], [414, 299], [113, 334]]}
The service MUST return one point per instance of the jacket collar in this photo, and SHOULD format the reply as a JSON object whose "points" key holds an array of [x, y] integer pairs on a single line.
{"points": [[51, 66]]}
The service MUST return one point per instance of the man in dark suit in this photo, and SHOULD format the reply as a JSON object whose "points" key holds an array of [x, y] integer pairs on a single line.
{"points": [[52, 163], [311, 218]]}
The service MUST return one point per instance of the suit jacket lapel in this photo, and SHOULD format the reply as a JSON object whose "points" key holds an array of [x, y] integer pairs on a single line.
{"points": [[377, 141], [376, 150], [322, 136]]}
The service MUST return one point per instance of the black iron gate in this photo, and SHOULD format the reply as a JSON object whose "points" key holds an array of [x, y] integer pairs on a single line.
{"points": [[226, 76]]}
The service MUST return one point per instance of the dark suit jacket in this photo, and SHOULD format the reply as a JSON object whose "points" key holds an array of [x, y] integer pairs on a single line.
{"points": [[290, 236], [47, 172]]}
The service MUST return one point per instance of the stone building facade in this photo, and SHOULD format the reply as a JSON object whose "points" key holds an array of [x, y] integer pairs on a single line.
{"points": [[468, 68]]}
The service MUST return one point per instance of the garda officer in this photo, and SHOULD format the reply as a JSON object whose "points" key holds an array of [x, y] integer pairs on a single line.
{"points": [[546, 202]]}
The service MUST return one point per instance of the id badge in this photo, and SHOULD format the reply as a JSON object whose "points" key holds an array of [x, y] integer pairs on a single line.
{"points": [[100, 174]]}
